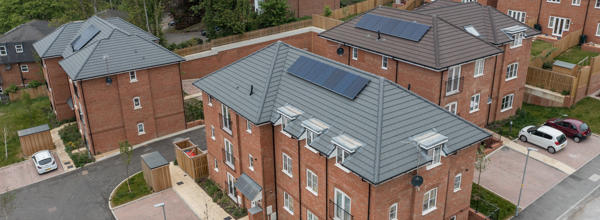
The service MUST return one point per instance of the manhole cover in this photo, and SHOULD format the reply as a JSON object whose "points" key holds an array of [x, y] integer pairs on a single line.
{"points": [[594, 177], [179, 183]]}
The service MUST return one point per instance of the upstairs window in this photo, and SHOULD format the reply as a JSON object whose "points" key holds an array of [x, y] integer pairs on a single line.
{"points": [[24, 68], [312, 182], [133, 76], [436, 155], [452, 107], [19, 48], [393, 212], [429, 201], [507, 102], [355, 53], [248, 126], [210, 98], [553, 1], [310, 136], [212, 132], [288, 203], [250, 162], [140, 128], [457, 182], [229, 159], [287, 165], [384, 62], [284, 122], [598, 30], [474, 103], [453, 83], [518, 15], [136, 103], [342, 206], [3, 51], [287, 113], [342, 154], [597, 4], [576, 2], [517, 40], [511, 71], [225, 118], [479, 65]]}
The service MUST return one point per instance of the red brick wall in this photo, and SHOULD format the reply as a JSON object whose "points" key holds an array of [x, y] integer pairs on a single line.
{"points": [[591, 25], [566, 10], [13, 76], [58, 87], [530, 7], [514, 86]]}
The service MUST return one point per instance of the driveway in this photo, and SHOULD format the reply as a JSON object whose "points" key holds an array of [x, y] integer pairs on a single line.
{"points": [[24, 173], [574, 155], [83, 193], [175, 207]]}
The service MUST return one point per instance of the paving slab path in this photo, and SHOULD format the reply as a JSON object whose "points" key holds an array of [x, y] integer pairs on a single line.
{"points": [[143, 208]]}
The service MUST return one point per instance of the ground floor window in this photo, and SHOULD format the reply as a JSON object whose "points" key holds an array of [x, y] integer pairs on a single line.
{"points": [[507, 102], [288, 203]]}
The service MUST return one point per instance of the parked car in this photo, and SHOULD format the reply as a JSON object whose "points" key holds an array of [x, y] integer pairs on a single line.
{"points": [[44, 162], [545, 137], [571, 127]]}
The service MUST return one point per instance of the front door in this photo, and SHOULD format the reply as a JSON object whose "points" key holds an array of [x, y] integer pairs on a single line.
{"points": [[231, 187]]}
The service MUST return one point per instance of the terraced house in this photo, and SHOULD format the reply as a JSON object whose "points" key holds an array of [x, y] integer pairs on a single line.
{"points": [[470, 59], [119, 82], [18, 61], [293, 135]]}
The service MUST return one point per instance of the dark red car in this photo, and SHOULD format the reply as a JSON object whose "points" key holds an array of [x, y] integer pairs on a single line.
{"points": [[573, 128]]}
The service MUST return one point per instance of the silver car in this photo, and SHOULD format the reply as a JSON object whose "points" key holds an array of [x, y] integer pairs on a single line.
{"points": [[44, 162]]}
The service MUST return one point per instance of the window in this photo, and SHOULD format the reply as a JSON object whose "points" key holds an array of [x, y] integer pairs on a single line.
{"points": [[288, 203], [342, 206], [257, 6], [453, 82], [284, 122], [310, 136], [355, 53], [226, 118], [310, 215], [216, 165], [24, 68], [451, 107], [393, 213], [248, 126], [384, 62], [467, 1], [598, 30], [19, 48], [210, 98], [457, 182], [553, 1], [576, 2], [136, 103], [507, 102], [511, 71], [3, 51], [1, 90], [132, 76], [231, 191], [341, 155], [474, 103], [558, 25], [229, 159], [250, 162], [140, 128], [597, 4], [479, 66], [312, 182], [287, 164], [212, 132], [517, 40], [453, 217], [436, 156], [517, 15], [429, 201]]}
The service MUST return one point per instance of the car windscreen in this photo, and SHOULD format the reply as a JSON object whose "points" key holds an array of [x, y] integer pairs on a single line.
{"points": [[532, 129], [584, 127], [45, 161], [561, 139]]}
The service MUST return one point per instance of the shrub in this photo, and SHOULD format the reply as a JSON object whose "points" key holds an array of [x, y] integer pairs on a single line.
{"points": [[34, 84], [565, 92], [327, 11], [547, 65], [70, 134], [11, 89], [193, 110]]}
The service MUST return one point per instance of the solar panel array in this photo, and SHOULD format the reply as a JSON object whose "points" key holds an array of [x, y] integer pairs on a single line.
{"points": [[85, 37], [395, 27], [331, 78]]}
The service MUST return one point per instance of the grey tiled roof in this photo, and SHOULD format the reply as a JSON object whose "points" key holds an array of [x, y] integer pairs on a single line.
{"points": [[54, 44], [154, 160], [24, 34], [33, 130], [248, 186], [442, 46], [487, 20], [384, 116]]}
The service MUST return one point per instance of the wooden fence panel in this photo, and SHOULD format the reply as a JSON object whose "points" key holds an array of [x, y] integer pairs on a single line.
{"points": [[550, 80], [33, 143], [571, 40], [595, 64], [325, 22]]}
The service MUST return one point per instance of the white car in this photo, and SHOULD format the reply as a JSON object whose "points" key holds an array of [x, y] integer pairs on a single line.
{"points": [[544, 136], [44, 162]]}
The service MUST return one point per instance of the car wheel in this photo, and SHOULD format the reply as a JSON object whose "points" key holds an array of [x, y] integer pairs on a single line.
{"points": [[523, 138], [577, 139], [551, 150]]}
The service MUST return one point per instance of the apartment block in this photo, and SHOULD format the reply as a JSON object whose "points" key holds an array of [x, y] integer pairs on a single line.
{"points": [[18, 64], [293, 135], [119, 82], [467, 64]]}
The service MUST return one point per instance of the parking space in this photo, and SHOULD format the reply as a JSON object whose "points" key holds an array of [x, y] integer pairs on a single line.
{"points": [[175, 207], [23, 174], [574, 155]]}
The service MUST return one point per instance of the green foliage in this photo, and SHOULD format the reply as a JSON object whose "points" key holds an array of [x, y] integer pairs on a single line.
{"points": [[344, 3], [327, 11], [126, 153], [188, 43], [11, 89], [225, 17], [139, 188], [538, 46], [34, 84], [486, 202], [193, 110], [565, 92], [575, 55], [213, 190], [72, 139], [548, 65], [274, 12]]}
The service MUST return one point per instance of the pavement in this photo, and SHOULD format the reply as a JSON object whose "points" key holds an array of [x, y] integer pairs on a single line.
{"points": [[84, 193], [24, 173], [143, 208], [60, 148], [189, 88]]}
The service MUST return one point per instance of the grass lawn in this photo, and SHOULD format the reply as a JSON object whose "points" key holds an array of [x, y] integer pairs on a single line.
{"points": [[585, 110], [575, 54], [492, 201], [19, 115], [538, 46], [139, 188]]}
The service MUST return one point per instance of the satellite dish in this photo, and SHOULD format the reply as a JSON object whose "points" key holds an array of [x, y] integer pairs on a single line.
{"points": [[108, 80], [417, 181], [340, 51]]}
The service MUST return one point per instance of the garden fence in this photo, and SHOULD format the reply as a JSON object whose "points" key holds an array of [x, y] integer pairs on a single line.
{"points": [[550, 80], [325, 22], [558, 47], [33, 93]]}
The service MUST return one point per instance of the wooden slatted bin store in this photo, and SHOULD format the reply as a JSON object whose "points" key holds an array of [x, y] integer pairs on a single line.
{"points": [[156, 171], [191, 159], [35, 139]]}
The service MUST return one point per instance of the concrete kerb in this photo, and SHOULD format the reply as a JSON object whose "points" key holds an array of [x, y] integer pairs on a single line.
{"points": [[115, 190], [562, 216]]}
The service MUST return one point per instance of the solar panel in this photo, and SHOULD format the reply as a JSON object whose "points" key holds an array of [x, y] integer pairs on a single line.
{"points": [[336, 80], [395, 27], [85, 37]]}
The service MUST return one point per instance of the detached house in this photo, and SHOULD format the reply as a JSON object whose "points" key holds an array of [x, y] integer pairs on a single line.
{"points": [[468, 58], [293, 135], [18, 61], [121, 84]]}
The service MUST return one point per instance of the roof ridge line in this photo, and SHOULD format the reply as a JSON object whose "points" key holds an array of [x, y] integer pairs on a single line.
{"points": [[94, 49], [135, 26], [110, 24], [436, 42], [379, 128], [93, 46], [477, 38], [492, 24], [155, 44], [260, 111], [64, 26]]}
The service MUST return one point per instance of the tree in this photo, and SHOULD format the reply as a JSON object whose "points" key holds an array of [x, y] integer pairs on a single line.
{"points": [[6, 203], [126, 153], [481, 162], [274, 12], [225, 17]]}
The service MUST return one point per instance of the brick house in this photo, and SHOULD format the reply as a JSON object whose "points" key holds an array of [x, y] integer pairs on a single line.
{"points": [[293, 135], [526, 11], [18, 61], [302, 8], [122, 85], [458, 63]]}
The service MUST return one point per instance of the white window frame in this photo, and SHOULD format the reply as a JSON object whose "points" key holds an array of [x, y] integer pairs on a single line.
{"points": [[453, 74], [341, 152], [216, 165], [19, 48], [512, 71], [210, 98], [576, 2], [3, 51], [312, 182], [287, 167], [257, 8], [288, 203], [342, 198], [553, 1], [479, 68], [284, 122], [140, 128], [139, 103], [310, 215], [507, 102], [212, 132], [384, 62], [474, 106], [457, 182], [248, 126], [429, 201], [229, 153], [24, 68], [517, 40], [452, 107], [225, 118], [553, 20], [310, 136], [231, 192], [597, 5], [393, 212], [517, 15], [436, 156], [453, 217], [250, 162], [355, 53], [133, 76], [598, 30]]}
